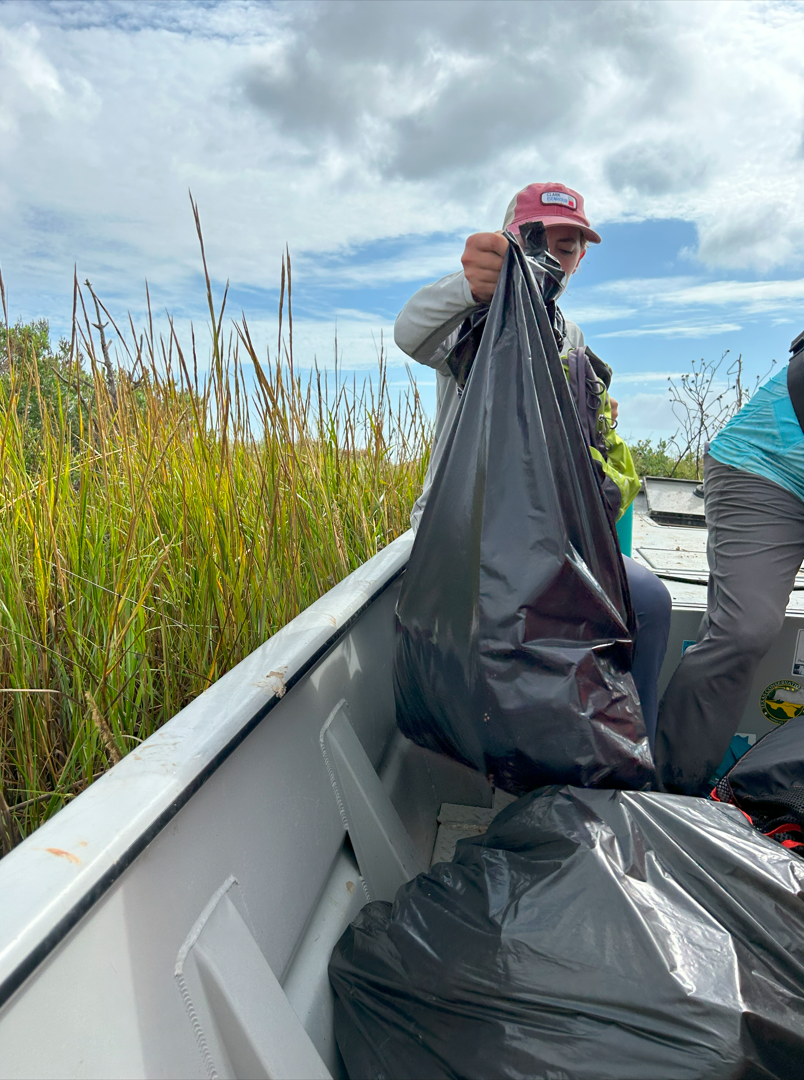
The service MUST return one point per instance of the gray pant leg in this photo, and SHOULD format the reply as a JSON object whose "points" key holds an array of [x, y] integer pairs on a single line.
{"points": [[755, 547]]}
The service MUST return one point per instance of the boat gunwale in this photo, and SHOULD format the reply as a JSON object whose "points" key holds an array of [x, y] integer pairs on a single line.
{"points": [[18, 970]]}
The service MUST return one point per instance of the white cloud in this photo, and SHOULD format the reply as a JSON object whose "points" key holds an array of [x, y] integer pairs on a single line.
{"points": [[673, 331], [680, 303], [646, 415], [424, 261], [645, 377], [328, 124], [754, 297], [583, 313]]}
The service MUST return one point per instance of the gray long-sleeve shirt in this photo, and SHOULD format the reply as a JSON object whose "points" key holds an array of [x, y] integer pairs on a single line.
{"points": [[426, 329]]}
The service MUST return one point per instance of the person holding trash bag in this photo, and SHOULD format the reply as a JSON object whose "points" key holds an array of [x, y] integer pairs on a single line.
{"points": [[439, 319], [754, 500], [514, 623]]}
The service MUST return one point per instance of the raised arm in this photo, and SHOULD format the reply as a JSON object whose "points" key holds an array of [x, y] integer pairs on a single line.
{"points": [[426, 324]]}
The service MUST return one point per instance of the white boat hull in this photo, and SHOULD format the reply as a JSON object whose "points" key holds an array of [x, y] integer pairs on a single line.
{"points": [[177, 918]]}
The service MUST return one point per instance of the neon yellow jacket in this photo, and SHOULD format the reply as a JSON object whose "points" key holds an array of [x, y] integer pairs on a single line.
{"points": [[617, 464]]}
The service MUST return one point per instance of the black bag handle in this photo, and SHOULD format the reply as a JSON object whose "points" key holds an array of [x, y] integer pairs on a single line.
{"points": [[795, 378]]}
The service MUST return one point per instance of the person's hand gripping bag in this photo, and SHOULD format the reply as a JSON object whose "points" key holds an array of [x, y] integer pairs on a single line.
{"points": [[515, 628]]}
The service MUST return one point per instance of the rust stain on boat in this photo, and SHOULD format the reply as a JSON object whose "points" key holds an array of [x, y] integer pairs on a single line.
{"points": [[61, 854]]}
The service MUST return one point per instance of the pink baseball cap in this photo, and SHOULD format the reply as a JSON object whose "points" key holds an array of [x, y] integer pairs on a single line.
{"points": [[552, 204]]}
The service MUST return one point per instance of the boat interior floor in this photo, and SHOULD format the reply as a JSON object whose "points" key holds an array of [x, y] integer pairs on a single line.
{"points": [[459, 822]]}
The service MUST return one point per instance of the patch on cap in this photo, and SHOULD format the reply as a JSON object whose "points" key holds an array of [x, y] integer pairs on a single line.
{"points": [[559, 197]]}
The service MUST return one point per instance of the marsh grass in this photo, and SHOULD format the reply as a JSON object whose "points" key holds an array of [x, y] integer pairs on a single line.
{"points": [[167, 524]]}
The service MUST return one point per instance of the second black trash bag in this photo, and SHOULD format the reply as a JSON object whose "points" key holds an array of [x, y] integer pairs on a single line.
{"points": [[514, 625], [589, 935]]}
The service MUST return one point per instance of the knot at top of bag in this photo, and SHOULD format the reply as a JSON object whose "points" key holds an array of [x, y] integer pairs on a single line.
{"points": [[546, 268]]}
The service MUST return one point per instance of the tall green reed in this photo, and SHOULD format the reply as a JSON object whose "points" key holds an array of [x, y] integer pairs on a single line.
{"points": [[169, 524]]}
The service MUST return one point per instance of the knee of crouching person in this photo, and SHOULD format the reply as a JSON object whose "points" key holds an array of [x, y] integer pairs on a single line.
{"points": [[661, 598], [652, 600]]}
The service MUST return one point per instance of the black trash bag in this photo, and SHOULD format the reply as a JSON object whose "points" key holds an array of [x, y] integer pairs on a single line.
{"points": [[588, 935], [767, 783], [514, 625]]}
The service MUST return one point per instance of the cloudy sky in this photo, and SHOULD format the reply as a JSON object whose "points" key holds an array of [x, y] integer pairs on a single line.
{"points": [[373, 137]]}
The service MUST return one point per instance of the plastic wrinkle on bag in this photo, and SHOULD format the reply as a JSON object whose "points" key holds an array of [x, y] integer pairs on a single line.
{"points": [[588, 935], [514, 625]]}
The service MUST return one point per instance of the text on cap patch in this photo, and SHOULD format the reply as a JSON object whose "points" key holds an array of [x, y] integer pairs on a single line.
{"points": [[559, 197]]}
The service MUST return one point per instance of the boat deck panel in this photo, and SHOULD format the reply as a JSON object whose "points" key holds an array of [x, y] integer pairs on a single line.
{"points": [[678, 554]]}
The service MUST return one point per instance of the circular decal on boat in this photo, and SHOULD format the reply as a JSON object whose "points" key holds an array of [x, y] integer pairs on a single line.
{"points": [[782, 700]]}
